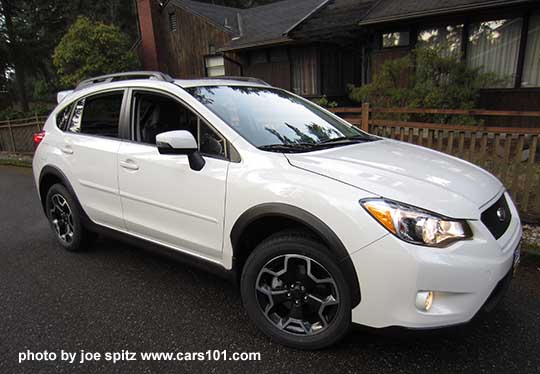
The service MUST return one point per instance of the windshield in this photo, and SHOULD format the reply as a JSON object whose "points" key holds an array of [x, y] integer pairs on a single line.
{"points": [[272, 117]]}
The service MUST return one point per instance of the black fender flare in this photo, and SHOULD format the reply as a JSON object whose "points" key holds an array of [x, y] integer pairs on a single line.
{"points": [[309, 220], [56, 172]]}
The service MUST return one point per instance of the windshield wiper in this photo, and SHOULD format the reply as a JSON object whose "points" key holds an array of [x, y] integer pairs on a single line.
{"points": [[300, 147], [349, 139], [287, 148]]}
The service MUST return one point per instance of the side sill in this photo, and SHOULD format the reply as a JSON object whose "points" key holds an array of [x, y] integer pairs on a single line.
{"points": [[162, 251]]}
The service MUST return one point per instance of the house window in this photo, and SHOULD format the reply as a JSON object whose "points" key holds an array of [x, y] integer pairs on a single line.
{"points": [[494, 47], [531, 67], [395, 39], [172, 22], [215, 66], [305, 71], [446, 39]]}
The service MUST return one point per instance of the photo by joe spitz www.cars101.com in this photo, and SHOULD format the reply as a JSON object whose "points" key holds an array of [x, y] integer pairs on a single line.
{"points": [[302, 208]]}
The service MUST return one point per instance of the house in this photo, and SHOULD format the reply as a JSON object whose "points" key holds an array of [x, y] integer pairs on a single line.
{"points": [[318, 47]]}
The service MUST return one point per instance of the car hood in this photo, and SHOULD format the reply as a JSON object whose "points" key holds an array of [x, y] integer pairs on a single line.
{"points": [[408, 173]]}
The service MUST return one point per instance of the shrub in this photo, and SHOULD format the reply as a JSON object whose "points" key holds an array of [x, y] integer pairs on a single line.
{"points": [[92, 48], [425, 79], [324, 102]]}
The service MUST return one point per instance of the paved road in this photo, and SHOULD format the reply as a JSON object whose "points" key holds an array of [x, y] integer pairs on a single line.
{"points": [[116, 298]]}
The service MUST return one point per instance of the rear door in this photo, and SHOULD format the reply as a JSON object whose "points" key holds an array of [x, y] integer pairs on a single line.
{"points": [[90, 148], [163, 199]]}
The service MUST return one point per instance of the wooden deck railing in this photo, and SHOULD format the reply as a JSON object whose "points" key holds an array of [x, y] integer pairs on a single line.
{"points": [[511, 153]]}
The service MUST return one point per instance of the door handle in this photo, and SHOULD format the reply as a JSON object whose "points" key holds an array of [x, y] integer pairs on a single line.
{"points": [[67, 149], [129, 164]]}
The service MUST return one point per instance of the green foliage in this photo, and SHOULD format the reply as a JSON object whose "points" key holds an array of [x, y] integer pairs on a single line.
{"points": [[29, 32], [39, 108], [425, 79], [92, 48], [42, 89], [325, 103]]}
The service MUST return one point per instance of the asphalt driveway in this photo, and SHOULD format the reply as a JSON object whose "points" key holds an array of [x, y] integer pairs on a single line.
{"points": [[117, 297]]}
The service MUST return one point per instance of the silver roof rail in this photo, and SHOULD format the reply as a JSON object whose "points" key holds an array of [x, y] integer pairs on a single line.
{"points": [[126, 76], [240, 79]]}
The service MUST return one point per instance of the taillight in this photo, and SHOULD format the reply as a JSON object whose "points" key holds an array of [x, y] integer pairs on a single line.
{"points": [[38, 137]]}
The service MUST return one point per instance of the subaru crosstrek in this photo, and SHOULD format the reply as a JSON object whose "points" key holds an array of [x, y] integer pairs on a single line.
{"points": [[321, 223]]}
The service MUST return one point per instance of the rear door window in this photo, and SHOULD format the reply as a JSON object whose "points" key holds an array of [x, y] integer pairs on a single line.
{"points": [[98, 115]]}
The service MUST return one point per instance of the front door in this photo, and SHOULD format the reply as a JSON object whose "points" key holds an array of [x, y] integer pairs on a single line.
{"points": [[163, 199]]}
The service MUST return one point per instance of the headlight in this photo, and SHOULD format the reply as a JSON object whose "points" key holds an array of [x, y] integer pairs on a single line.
{"points": [[415, 225]]}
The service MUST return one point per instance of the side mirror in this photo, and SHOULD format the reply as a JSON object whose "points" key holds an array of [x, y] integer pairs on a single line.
{"points": [[180, 142]]}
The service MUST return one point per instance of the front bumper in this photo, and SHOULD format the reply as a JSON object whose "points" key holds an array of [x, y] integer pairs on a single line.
{"points": [[463, 276]]}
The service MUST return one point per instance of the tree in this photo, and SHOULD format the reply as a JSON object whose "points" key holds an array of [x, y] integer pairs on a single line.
{"points": [[13, 50], [426, 78], [92, 48]]}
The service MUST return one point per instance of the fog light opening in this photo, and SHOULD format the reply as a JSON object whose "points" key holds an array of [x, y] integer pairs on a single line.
{"points": [[424, 300]]}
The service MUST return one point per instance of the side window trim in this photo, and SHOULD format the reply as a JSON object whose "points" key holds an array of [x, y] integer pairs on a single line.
{"points": [[131, 116], [120, 120]]}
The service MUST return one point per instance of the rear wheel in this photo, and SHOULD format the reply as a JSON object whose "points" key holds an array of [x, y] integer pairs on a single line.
{"points": [[65, 220], [295, 292]]}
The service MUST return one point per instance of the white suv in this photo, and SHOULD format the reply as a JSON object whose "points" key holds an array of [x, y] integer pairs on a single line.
{"points": [[320, 223]]}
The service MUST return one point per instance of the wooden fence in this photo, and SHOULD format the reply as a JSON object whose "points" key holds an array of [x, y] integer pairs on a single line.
{"points": [[511, 153], [16, 136]]}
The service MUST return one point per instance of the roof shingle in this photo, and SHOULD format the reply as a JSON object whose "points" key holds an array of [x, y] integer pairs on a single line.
{"points": [[263, 24], [386, 10]]}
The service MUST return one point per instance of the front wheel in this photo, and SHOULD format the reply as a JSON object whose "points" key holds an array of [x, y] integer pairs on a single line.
{"points": [[295, 292]]}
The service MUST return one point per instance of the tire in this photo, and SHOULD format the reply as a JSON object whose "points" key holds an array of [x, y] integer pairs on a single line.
{"points": [[263, 272], [68, 229]]}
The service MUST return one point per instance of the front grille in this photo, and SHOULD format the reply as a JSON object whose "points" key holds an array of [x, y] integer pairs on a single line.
{"points": [[497, 217]]}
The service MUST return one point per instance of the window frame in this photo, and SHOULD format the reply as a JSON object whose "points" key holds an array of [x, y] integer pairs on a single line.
{"points": [[121, 118], [206, 68], [231, 154]]}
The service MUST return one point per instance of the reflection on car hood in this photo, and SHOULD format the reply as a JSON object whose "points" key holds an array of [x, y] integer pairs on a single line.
{"points": [[403, 172]]}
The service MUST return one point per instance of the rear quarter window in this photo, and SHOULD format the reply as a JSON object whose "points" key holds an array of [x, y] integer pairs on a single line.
{"points": [[62, 118]]}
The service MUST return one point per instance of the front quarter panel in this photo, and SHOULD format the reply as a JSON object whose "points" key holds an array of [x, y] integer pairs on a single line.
{"points": [[264, 178]]}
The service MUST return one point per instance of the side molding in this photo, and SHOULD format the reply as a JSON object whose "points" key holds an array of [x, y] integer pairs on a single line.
{"points": [[309, 220]]}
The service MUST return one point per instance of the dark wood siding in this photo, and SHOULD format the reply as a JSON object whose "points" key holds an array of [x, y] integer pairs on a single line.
{"points": [[184, 49], [276, 73]]}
